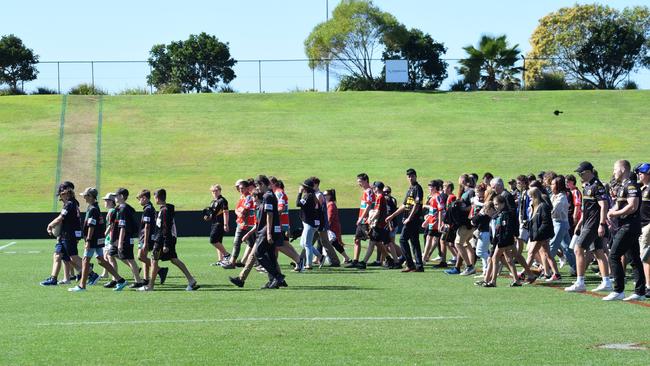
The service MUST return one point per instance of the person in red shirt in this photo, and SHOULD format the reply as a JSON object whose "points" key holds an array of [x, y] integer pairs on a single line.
{"points": [[376, 220], [243, 210], [334, 232], [447, 236], [433, 219], [367, 202]]}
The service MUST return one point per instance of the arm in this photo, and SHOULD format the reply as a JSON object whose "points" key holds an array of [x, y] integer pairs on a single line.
{"points": [[412, 213], [226, 217], [603, 218], [630, 208], [269, 226], [56, 221], [397, 212]]}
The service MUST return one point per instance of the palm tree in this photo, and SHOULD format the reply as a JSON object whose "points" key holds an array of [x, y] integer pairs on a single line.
{"points": [[491, 66]]}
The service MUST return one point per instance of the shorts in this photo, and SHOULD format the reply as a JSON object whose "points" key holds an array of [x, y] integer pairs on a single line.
{"points": [[644, 239], [379, 235], [112, 250], [60, 248], [393, 233], [434, 233], [589, 239], [524, 234], [126, 252], [160, 255], [216, 233], [94, 252], [362, 232], [464, 234], [71, 247], [448, 234]]}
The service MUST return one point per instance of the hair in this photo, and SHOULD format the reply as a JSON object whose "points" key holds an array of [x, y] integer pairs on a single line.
{"points": [[363, 176], [215, 187], [161, 194], [390, 190], [332, 193], [487, 176], [411, 171], [625, 164], [489, 194], [262, 179], [571, 178], [474, 177], [497, 182], [489, 205], [531, 178], [244, 183], [548, 177], [122, 191], [560, 184], [536, 197], [462, 181], [535, 184], [500, 199], [250, 181], [145, 193], [378, 184], [280, 184], [450, 185], [315, 180], [436, 183], [273, 180]]}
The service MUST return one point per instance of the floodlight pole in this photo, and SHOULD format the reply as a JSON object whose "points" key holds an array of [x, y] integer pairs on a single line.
{"points": [[523, 74], [327, 65]]}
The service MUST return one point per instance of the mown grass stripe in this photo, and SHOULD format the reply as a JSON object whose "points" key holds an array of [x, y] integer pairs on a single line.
{"points": [[57, 176], [98, 159]]}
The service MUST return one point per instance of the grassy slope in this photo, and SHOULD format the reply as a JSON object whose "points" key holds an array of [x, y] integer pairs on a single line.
{"points": [[505, 326], [219, 138]]}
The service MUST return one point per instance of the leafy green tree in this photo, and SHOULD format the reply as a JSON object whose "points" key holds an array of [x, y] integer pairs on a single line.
{"points": [[356, 33], [491, 66], [197, 64], [592, 45], [17, 62], [426, 69]]}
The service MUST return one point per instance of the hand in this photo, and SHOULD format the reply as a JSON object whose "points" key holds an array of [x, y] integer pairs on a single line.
{"points": [[610, 214], [424, 224], [269, 237], [87, 246], [165, 250], [226, 228], [119, 247], [301, 189], [49, 230], [601, 231], [388, 219], [406, 221]]}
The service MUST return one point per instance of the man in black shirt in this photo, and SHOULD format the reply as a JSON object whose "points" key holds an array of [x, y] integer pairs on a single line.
{"points": [[269, 234], [217, 214], [412, 208], [626, 239], [591, 229], [643, 172], [146, 231], [93, 228], [126, 233]]}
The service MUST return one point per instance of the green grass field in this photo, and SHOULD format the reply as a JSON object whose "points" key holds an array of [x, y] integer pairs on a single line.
{"points": [[318, 319], [185, 143]]}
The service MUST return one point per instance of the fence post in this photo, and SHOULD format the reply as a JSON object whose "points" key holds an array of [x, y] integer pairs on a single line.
{"points": [[259, 74], [58, 77], [92, 73]]}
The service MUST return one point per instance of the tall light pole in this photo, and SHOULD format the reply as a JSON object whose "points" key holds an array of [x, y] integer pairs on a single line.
{"points": [[327, 65]]}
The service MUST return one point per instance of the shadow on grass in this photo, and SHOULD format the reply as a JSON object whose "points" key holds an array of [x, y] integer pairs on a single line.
{"points": [[253, 288]]}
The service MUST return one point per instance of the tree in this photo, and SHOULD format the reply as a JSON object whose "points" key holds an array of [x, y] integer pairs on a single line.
{"points": [[17, 62], [590, 44], [198, 64], [426, 69], [356, 32], [491, 66]]}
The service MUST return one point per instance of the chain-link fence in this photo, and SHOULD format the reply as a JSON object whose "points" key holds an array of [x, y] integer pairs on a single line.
{"points": [[253, 76]]}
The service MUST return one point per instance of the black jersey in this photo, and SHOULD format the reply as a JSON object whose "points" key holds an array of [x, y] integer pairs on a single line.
{"points": [[592, 193], [218, 207], [269, 205], [71, 226], [413, 197], [148, 217], [126, 220], [628, 189], [95, 220]]}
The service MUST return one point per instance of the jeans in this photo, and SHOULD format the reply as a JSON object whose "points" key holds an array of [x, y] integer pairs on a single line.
{"points": [[562, 238], [306, 242], [483, 245], [411, 231]]}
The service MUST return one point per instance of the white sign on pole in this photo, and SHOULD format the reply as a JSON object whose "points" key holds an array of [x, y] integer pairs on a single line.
{"points": [[397, 71]]}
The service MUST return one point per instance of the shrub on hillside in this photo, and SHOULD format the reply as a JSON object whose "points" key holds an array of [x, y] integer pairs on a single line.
{"points": [[227, 89], [549, 81], [169, 89], [42, 90], [355, 83], [459, 86], [86, 89], [630, 85], [11, 91], [134, 91]]}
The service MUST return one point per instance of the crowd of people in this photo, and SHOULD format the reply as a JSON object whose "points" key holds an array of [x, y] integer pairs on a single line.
{"points": [[541, 223]]}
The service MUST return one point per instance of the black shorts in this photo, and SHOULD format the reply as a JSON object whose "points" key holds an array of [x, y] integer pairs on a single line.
{"points": [[112, 250], [71, 247], [362, 232], [160, 255], [379, 235], [216, 234], [589, 239], [126, 252], [449, 235], [434, 233]]}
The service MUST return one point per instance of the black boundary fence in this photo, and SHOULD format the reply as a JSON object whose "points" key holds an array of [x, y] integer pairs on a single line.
{"points": [[32, 225]]}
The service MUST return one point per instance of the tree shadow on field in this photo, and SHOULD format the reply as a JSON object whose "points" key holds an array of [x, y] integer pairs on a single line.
{"points": [[203, 288]]}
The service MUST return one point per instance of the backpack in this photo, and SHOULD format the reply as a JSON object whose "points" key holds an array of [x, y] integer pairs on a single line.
{"points": [[457, 214]]}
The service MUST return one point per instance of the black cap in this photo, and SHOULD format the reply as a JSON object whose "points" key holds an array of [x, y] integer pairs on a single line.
{"points": [[585, 165], [411, 171], [308, 183], [378, 184], [65, 186]]}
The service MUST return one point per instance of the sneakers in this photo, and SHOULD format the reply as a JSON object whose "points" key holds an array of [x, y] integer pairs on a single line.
{"points": [[93, 278], [110, 284], [64, 282], [562, 262], [441, 265], [50, 281], [453, 271], [362, 265], [162, 272], [436, 259], [76, 289], [374, 264], [487, 284], [603, 287], [192, 286], [353, 264], [120, 285], [407, 269], [143, 288], [480, 283], [236, 281], [554, 278], [137, 284], [515, 284], [576, 288], [228, 266], [634, 297], [614, 296], [468, 271], [418, 269]]}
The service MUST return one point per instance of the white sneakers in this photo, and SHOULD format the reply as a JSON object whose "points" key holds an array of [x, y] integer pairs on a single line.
{"points": [[576, 288], [614, 296], [76, 289], [603, 287], [634, 297]]}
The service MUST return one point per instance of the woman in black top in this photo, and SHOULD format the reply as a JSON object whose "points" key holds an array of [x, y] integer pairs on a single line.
{"points": [[310, 216], [541, 232], [503, 239]]}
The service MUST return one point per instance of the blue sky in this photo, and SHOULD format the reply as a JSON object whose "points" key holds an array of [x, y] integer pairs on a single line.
{"points": [[255, 29]]}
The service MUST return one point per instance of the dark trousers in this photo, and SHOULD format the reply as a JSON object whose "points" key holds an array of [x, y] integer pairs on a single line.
{"points": [[626, 241], [411, 232], [265, 254]]}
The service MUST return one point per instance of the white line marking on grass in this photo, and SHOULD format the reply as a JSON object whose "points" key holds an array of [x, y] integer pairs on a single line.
{"points": [[163, 321], [10, 252], [7, 245], [33, 251]]}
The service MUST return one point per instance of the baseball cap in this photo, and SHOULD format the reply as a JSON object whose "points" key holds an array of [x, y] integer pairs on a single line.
{"points": [[109, 197], [308, 183], [65, 186], [90, 191], [378, 184], [585, 165], [411, 171], [238, 182], [644, 168]]}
